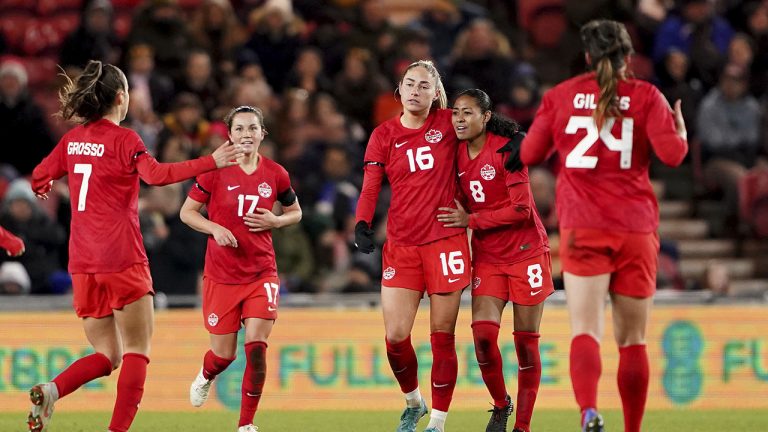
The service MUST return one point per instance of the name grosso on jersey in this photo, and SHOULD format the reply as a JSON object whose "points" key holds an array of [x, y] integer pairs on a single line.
{"points": [[85, 149]]}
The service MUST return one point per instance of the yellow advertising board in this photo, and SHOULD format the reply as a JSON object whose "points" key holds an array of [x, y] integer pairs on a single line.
{"points": [[701, 357]]}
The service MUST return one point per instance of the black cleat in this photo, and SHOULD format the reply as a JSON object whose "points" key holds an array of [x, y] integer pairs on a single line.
{"points": [[499, 417]]}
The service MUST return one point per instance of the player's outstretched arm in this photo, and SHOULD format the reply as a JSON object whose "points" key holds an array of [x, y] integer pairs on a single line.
{"points": [[190, 215], [51, 168], [13, 245], [159, 174]]}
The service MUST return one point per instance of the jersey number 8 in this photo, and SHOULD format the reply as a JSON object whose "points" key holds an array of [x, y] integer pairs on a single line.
{"points": [[577, 159]]}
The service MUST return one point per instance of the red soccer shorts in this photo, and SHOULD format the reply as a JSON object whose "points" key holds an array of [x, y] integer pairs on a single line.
{"points": [[96, 295], [631, 258], [525, 283], [441, 266], [225, 306]]}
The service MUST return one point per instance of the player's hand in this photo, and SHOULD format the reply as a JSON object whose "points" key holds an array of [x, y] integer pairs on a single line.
{"points": [[364, 237], [227, 154], [454, 217], [512, 147], [262, 220], [42, 191], [17, 250], [682, 132], [224, 237]]}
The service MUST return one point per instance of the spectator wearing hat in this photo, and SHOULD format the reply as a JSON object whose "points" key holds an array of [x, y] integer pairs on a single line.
{"points": [[185, 130], [14, 279], [26, 136]]}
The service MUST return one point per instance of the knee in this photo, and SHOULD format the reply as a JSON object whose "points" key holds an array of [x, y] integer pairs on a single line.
{"points": [[443, 327], [395, 336], [482, 349]]}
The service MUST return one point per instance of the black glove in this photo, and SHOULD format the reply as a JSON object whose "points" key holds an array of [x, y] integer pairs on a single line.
{"points": [[512, 146], [364, 237]]}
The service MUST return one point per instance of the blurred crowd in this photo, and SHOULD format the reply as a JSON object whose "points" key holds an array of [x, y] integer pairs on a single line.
{"points": [[324, 73]]}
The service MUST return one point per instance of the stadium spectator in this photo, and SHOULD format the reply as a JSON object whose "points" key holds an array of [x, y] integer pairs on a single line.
{"points": [[185, 130], [675, 82], [14, 279], [442, 20], [603, 250], [42, 236], [307, 72], [110, 276], [417, 152], [728, 124], [372, 30], [143, 78], [697, 31], [240, 282], [510, 251], [94, 38], [159, 24], [21, 120], [216, 29], [198, 80]]}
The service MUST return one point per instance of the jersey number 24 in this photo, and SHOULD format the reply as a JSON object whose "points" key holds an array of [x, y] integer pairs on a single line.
{"points": [[577, 158]]}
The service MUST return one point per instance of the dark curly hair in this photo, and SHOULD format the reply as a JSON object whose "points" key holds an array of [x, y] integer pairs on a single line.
{"points": [[498, 124]]}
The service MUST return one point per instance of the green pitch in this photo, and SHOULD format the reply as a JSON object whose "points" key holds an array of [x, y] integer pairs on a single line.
{"points": [[375, 421]]}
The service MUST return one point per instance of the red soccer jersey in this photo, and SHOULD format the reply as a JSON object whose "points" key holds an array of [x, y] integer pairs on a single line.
{"points": [[102, 160], [420, 165], [506, 226], [604, 181], [229, 194]]}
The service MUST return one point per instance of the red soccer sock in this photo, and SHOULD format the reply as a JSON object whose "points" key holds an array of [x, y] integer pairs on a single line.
{"points": [[253, 380], [633, 384], [82, 371], [486, 335], [445, 368], [586, 368], [405, 366], [130, 389], [528, 377], [214, 365]]}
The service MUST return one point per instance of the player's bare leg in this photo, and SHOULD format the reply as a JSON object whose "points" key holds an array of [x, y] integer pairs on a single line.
{"points": [[257, 333], [586, 296], [630, 319], [399, 306], [443, 312], [136, 324], [216, 360]]}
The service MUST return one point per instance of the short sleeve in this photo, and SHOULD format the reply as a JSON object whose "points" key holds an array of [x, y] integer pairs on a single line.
{"points": [[201, 190], [376, 151]]}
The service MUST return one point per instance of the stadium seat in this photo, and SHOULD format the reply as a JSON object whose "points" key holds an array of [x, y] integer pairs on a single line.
{"points": [[122, 24], [753, 201], [64, 23], [189, 4], [547, 25], [18, 5], [41, 70], [35, 39], [14, 26], [49, 7], [527, 8]]}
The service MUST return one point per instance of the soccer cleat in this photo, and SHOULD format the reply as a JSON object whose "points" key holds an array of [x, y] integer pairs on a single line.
{"points": [[42, 396], [593, 422], [199, 390], [517, 430], [499, 417], [432, 429], [248, 428], [411, 417]]}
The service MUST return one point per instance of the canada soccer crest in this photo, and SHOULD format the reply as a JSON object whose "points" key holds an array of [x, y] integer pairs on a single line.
{"points": [[389, 273], [475, 282], [265, 190], [433, 136], [213, 319], [487, 172]]}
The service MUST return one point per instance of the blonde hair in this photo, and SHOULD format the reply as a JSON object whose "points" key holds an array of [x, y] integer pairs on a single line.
{"points": [[442, 98]]}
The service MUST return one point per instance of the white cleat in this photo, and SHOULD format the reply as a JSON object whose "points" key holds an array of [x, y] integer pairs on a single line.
{"points": [[42, 396], [199, 390], [248, 428]]}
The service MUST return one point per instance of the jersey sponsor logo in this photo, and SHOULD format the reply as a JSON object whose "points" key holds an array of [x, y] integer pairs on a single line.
{"points": [[231, 188], [213, 319], [476, 282], [433, 136], [488, 172], [388, 273], [85, 149], [398, 145], [265, 190]]}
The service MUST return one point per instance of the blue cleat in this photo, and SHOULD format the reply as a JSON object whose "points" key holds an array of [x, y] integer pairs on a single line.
{"points": [[432, 429], [593, 422], [411, 417]]}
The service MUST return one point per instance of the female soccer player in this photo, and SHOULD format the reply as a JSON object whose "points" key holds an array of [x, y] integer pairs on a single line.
{"points": [[112, 288], [240, 279], [604, 125], [13, 245], [417, 152], [510, 250]]}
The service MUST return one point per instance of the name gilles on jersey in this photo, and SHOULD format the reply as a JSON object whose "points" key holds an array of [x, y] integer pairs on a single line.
{"points": [[85, 149], [589, 101]]}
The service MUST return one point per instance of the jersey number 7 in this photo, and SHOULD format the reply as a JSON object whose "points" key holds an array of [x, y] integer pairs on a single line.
{"points": [[577, 159]]}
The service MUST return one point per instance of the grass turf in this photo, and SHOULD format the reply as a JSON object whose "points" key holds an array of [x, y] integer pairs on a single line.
{"points": [[374, 421]]}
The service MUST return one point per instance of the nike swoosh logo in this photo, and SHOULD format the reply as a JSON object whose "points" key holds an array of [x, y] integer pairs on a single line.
{"points": [[398, 145], [524, 368], [483, 364], [271, 309], [252, 394], [453, 280], [439, 385], [462, 173], [401, 370], [232, 187], [533, 293]]}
